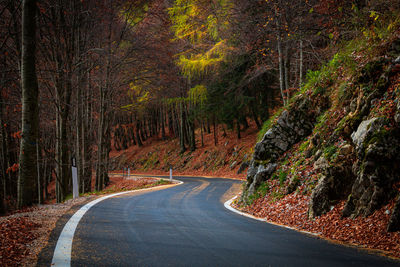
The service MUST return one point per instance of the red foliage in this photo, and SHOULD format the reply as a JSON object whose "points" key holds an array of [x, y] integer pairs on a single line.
{"points": [[15, 233], [17, 135], [369, 232], [13, 168]]}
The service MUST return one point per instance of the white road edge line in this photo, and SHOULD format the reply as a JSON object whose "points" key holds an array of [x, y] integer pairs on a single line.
{"points": [[62, 252], [228, 206]]}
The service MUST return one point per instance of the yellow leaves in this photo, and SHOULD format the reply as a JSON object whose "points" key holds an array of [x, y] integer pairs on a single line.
{"points": [[374, 15], [201, 24], [143, 98], [198, 94], [212, 26], [134, 14], [138, 95], [393, 25], [199, 64]]}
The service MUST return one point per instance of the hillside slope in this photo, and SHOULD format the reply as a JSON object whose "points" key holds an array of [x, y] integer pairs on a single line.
{"points": [[329, 161], [156, 156]]}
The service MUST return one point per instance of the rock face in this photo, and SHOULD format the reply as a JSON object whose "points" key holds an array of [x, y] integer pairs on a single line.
{"points": [[256, 176], [354, 149], [394, 222], [376, 169], [335, 183], [397, 115], [245, 164], [290, 127], [365, 130]]}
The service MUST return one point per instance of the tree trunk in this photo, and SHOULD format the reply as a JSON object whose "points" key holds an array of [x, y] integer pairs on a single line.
{"points": [[100, 142], [238, 128], [255, 116], [280, 62], [181, 129], [45, 181], [39, 182], [86, 146], [162, 116], [138, 139], [79, 133], [201, 133], [171, 129], [30, 112], [280, 59], [215, 132], [301, 65], [287, 71], [3, 190], [65, 171]]}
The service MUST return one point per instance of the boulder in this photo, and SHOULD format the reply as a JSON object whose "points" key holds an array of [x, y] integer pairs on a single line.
{"points": [[320, 201], [397, 115], [335, 184], [293, 184], [290, 128], [376, 170], [258, 175], [251, 171], [321, 164], [242, 167], [394, 221], [365, 129], [233, 165], [263, 174]]}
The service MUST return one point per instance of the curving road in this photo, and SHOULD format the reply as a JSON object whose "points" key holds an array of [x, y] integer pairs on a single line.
{"points": [[188, 225]]}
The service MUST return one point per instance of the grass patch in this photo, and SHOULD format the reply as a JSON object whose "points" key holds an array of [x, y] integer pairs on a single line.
{"points": [[261, 191], [162, 182], [330, 152], [268, 124]]}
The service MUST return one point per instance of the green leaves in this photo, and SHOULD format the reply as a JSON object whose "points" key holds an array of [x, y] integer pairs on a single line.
{"points": [[134, 14], [200, 24]]}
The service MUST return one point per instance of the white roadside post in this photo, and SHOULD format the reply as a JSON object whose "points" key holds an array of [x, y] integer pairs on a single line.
{"points": [[75, 184], [170, 173]]}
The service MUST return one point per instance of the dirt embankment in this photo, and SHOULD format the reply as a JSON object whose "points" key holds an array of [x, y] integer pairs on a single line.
{"points": [[221, 160]]}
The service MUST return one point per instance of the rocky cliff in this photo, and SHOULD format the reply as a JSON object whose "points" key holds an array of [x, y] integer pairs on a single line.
{"points": [[339, 139]]}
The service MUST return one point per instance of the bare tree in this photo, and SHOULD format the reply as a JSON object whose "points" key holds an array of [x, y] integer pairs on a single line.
{"points": [[30, 119]]}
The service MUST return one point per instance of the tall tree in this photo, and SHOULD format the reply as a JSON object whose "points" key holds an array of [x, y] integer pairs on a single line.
{"points": [[30, 119]]}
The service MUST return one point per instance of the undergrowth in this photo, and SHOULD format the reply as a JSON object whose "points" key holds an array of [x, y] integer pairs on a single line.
{"points": [[339, 81]]}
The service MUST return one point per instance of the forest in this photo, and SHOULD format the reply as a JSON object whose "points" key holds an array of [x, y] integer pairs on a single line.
{"points": [[81, 77]]}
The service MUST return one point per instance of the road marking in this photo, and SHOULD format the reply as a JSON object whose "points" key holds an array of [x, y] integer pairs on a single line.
{"points": [[62, 252], [228, 203]]}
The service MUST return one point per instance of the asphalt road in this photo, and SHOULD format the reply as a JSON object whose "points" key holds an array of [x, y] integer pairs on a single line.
{"points": [[188, 225]]}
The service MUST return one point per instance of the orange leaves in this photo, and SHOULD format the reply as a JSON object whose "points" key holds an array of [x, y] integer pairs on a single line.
{"points": [[369, 232], [15, 234], [17, 135], [13, 168]]}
